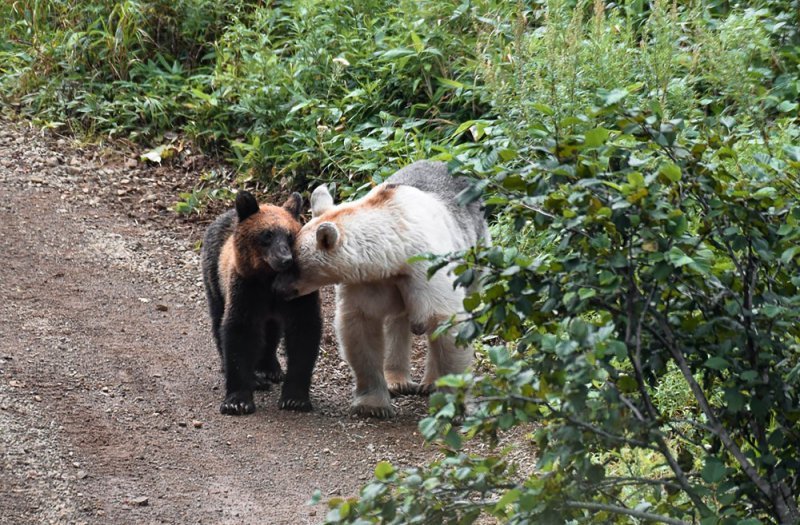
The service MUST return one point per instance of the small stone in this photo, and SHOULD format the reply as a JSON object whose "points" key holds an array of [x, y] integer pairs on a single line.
{"points": [[81, 474], [38, 399], [197, 424], [181, 423], [131, 163], [139, 501], [162, 307]]}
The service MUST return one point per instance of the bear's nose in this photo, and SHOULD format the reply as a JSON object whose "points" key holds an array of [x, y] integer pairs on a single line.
{"points": [[283, 262]]}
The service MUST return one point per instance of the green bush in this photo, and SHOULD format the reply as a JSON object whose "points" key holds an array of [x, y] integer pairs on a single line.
{"points": [[292, 92], [637, 314], [652, 316]]}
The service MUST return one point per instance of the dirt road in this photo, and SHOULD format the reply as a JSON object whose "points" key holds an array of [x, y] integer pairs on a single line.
{"points": [[109, 381]]}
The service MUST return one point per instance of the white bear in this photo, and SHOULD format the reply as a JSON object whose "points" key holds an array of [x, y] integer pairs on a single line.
{"points": [[364, 247]]}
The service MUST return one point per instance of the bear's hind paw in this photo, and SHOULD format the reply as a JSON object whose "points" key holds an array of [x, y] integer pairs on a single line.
{"points": [[261, 382], [406, 388], [376, 412], [426, 389], [297, 405], [264, 379]]}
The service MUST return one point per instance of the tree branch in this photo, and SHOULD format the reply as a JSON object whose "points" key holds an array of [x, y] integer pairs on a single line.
{"points": [[786, 509], [614, 509]]}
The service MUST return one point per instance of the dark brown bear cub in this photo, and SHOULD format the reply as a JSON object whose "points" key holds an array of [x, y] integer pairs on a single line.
{"points": [[243, 251]]}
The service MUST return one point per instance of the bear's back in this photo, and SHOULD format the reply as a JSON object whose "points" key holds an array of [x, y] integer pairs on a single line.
{"points": [[215, 237], [433, 177]]}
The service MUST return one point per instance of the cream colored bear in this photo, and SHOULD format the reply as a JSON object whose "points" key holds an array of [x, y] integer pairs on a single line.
{"points": [[365, 246]]}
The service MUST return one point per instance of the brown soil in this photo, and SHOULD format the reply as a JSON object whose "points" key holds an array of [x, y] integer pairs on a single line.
{"points": [[109, 380]]}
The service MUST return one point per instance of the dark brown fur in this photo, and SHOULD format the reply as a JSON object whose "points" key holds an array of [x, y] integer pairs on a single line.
{"points": [[243, 252]]}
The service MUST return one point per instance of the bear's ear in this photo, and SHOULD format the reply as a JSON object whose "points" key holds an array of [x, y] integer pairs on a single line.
{"points": [[246, 205], [293, 204], [321, 201], [327, 235]]}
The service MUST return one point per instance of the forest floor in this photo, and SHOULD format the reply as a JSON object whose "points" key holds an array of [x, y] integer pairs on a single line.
{"points": [[109, 380]]}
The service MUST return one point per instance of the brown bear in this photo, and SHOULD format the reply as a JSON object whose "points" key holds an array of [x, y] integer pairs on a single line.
{"points": [[243, 251]]}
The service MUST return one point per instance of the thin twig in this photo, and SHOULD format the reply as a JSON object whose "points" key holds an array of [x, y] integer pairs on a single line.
{"points": [[626, 511]]}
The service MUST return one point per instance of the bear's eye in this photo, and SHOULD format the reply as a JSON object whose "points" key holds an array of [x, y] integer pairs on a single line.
{"points": [[266, 238]]}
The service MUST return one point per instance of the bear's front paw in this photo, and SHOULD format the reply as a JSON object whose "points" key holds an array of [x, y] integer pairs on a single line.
{"points": [[373, 404], [297, 405], [403, 388], [238, 403], [294, 397], [376, 412]]}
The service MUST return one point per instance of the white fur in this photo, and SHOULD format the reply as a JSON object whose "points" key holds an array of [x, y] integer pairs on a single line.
{"points": [[380, 294]]}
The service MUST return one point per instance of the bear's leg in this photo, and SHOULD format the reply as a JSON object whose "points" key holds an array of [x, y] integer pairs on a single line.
{"points": [[242, 339], [428, 302], [396, 367], [302, 336], [216, 309], [443, 358], [360, 313], [268, 369]]}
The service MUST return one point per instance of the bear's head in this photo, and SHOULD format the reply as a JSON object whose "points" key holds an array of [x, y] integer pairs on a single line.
{"points": [[349, 243], [264, 234]]}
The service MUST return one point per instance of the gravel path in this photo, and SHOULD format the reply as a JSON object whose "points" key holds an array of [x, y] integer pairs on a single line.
{"points": [[109, 381]]}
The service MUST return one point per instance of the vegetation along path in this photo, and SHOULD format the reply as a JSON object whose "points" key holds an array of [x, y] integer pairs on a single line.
{"points": [[109, 380]]}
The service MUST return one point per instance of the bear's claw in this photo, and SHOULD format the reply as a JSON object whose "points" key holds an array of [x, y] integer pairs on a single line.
{"points": [[376, 412], [426, 389], [298, 405], [406, 388], [237, 404]]}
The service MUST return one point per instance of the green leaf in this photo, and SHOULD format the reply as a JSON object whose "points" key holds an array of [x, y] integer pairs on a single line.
{"points": [[678, 258], [717, 363], [396, 53], [508, 498], [713, 470], [419, 47], [671, 171], [543, 108], [453, 439], [383, 470], [635, 179], [734, 400], [596, 137], [793, 152], [788, 254], [613, 96], [765, 193], [451, 83]]}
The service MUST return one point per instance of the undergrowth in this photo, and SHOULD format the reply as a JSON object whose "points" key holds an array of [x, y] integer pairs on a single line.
{"points": [[639, 164]]}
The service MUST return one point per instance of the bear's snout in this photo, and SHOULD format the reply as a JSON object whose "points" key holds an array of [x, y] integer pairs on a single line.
{"points": [[281, 262]]}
